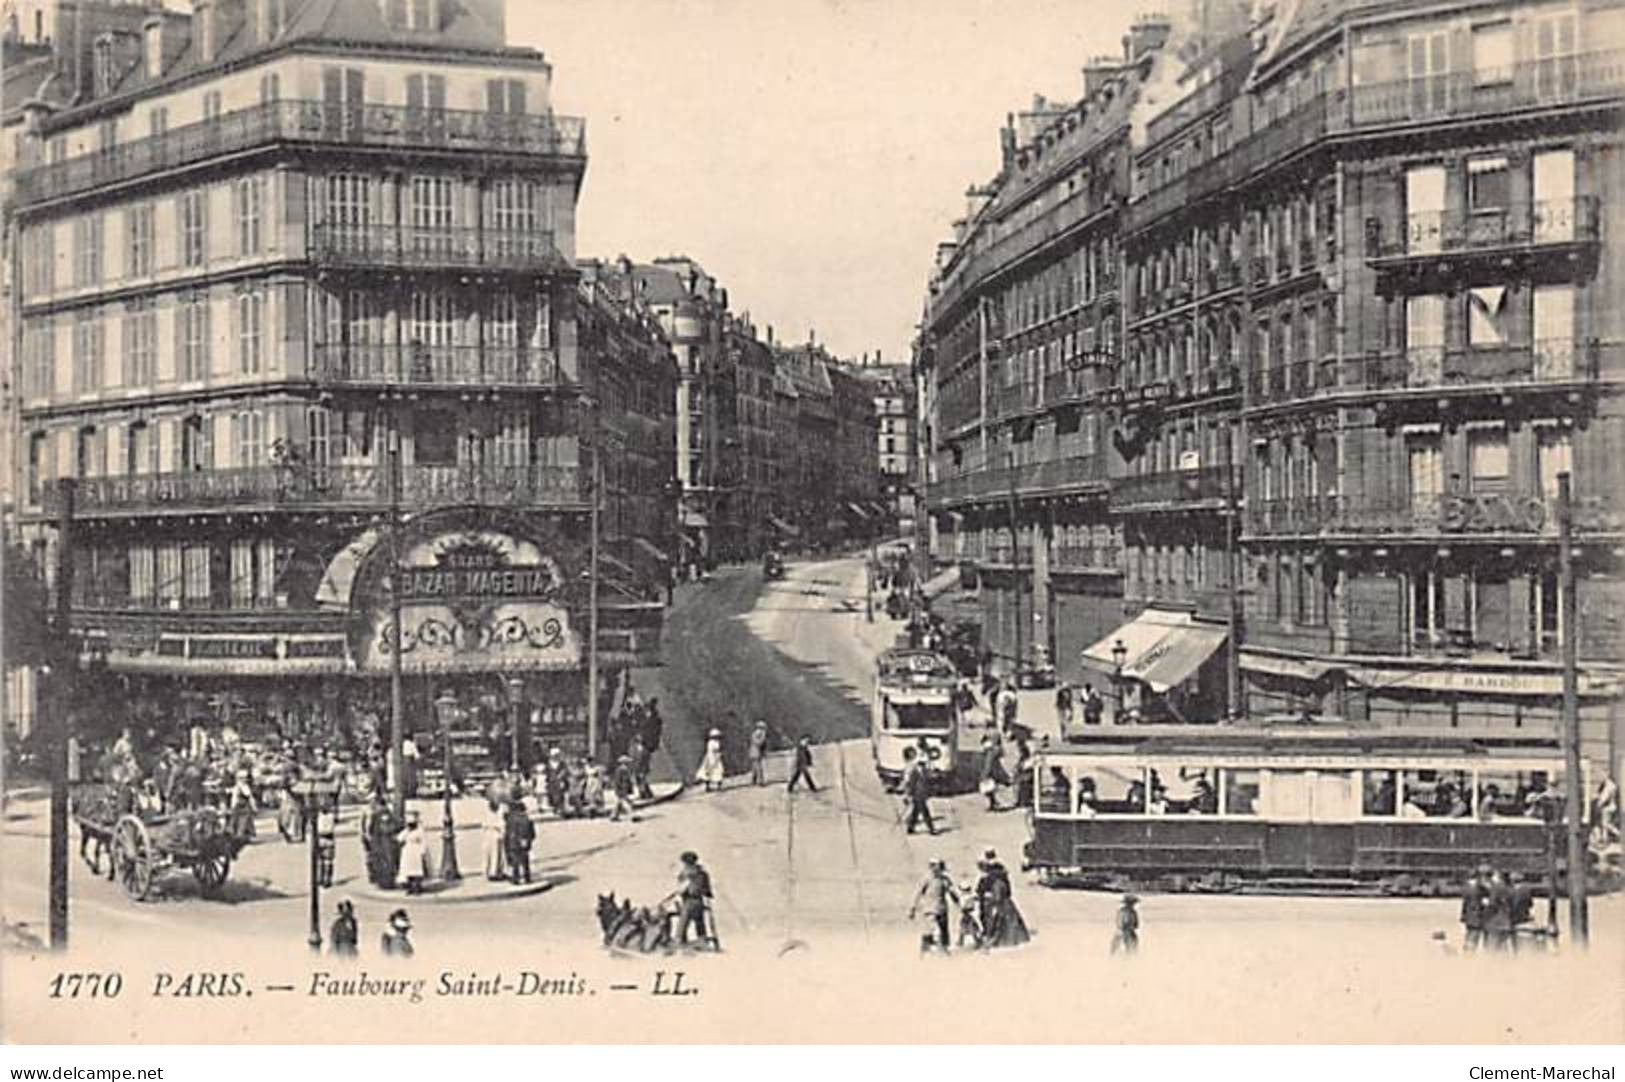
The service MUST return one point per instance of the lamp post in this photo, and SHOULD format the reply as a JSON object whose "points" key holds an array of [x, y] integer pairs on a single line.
{"points": [[445, 708], [516, 692], [1119, 656]]}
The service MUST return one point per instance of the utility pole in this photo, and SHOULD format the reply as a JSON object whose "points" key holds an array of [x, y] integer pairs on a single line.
{"points": [[397, 693], [1232, 514], [63, 661], [1573, 781]]}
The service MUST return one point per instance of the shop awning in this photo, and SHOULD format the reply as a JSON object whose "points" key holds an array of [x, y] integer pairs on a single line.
{"points": [[941, 582], [1138, 636], [1172, 661], [1291, 667], [783, 526], [650, 549]]}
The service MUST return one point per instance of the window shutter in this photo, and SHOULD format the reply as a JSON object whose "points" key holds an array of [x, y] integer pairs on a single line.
{"points": [[414, 92], [437, 91], [516, 97], [494, 99]]}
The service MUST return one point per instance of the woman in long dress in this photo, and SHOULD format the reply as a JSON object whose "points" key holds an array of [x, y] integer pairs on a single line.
{"points": [[496, 854], [414, 864], [712, 770], [1002, 924]]}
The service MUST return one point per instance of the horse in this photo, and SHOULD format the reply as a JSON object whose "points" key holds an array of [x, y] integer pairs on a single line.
{"points": [[643, 929]]}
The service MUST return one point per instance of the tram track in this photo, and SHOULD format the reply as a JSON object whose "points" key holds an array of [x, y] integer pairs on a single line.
{"points": [[852, 840]]}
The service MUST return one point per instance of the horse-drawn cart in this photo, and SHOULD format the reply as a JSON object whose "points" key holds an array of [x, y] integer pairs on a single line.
{"points": [[142, 847]]}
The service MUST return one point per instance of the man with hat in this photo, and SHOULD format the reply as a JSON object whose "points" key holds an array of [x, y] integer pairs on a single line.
{"points": [[934, 894], [345, 938], [1472, 908], [1127, 938], [694, 895], [397, 939], [758, 753], [518, 834], [623, 786], [917, 789], [803, 764]]}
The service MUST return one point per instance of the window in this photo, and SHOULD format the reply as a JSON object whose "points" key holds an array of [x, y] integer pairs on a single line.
{"points": [[138, 229], [1428, 620], [1430, 72], [1425, 457], [1486, 316], [89, 344], [435, 439], [1487, 184], [1556, 65], [248, 196], [513, 439], [192, 337], [91, 457], [1492, 54], [1487, 459], [1424, 340], [1379, 792], [250, 320], [1424, 208], [158, 120], [143, 574], [192, 211], [43, 374], [270, 87], [167, 589], [1436, 794], [197, 444], [1241, 790], [211, 105], [140, 345], [140, 449], [513, 205], [248, 438], [87, 247], [196, 585], [425, 92], [505, 96], [39, 466], [253, 573], [42, 268], [1554, 454]]}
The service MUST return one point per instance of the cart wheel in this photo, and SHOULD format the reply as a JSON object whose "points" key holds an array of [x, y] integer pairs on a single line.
{"points": [[211, 870], [133, 857]]}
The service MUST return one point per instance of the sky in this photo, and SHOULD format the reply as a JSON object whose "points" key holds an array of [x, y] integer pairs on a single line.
{"points": [[810, 154]]}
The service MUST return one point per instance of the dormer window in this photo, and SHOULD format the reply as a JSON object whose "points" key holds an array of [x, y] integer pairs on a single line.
{"points": [[412, 14], [104, 66]]}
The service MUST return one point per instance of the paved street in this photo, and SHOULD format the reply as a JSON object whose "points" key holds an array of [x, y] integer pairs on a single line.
{"points": [[808, 874]]}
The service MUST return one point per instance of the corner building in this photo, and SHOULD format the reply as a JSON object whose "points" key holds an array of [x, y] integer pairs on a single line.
{"points": [[268, 251]]}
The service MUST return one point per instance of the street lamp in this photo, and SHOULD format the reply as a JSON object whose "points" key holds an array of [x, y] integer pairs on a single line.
{"points": [[516, 692], [445, 708], [1119, 656]]}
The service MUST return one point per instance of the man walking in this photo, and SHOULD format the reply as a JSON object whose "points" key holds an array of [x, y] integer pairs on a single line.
{"points": [[694, 895], [803, 765], [758, 753], [935, 894], [917, 786]]}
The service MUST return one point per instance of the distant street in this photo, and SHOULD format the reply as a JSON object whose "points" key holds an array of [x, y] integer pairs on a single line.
{"points": [[792, 871]]}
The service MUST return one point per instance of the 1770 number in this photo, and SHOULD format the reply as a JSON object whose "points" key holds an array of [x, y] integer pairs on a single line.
{"points": [[86, 985]]}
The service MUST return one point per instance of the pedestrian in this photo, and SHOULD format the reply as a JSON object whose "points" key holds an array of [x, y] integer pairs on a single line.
{"points": [[575, 789], [592, 792], [414, 859], [934, 895], [694, 895], [1093, 708], [623, 786], [242, 806], [1472, 909], [653, 725], [1063, 703], [1002, 924], [758, 753], [557, 781], [1127, 938], [345, 937], [1499, 909], [917, 790], [409, 767], [290, 813], [711, 768], [518, 835], [1024, 772], [494, 831], [639, 753], [1007, 712], [327, 828], [803, 765], [991, 774], [397, 940], [383, 859]]}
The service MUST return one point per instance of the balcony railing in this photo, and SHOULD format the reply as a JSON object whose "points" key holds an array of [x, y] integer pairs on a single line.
{"points": [[1028, 479], [310, 122], [408, 246], [1554, 360], [1435, 232], [414, 363], [1105, 558], [1511, 512], [1555, 80], [1173, 487], [295, 486]]}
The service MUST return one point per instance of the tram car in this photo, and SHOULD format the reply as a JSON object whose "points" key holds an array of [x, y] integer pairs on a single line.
{"points": [[1290, 807], [916, 711]]}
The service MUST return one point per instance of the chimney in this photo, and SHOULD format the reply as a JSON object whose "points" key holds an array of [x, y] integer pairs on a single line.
{"points": [[205, 17], [1147, 34], [770, 334], [1098, 72], [1007, 141]]}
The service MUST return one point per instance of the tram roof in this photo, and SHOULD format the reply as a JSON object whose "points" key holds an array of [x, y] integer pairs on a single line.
{"points": [[1290, 736]]}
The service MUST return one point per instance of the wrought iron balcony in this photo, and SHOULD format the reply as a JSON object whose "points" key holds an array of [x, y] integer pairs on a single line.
{"points": [[1105, 559], [317, 123], [1555, 80], [1545, 361], [1173, 488], [296, 486], [392, 247], [1430, 234], [1507, 512], [420, 365]]}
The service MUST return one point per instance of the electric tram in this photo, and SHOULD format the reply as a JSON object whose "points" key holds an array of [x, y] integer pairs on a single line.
{"points": [[916, 711]]}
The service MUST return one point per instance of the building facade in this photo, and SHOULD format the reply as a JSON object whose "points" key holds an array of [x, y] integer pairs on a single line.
{"points": [[1366, 323], [289, 271], [896, 419]]}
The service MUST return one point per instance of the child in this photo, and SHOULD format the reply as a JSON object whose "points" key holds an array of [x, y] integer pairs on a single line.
{"points": [[1127, 938], [520, 834]]}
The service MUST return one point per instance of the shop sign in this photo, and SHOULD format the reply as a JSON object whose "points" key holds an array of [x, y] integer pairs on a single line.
{"points": [[216, 649], [1468, 682]]}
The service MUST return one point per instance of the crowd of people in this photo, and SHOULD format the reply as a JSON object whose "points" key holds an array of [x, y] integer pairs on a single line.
{"points": [[988, 916], [1496, 907]]}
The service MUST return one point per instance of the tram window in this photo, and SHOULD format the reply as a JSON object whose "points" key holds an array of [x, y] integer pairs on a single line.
{"points": [[931, 716], [1504, 794], [1436, 794], [1055, 791], [1381, 796], [1184, 790], [1240, 792], [1109, 790]]}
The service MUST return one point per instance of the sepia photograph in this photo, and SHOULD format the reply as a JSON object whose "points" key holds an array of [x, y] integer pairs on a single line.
{"points": [[819, 522]]}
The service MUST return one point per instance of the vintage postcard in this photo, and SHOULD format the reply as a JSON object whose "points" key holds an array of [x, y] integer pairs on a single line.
{"points": [[812, 521]]}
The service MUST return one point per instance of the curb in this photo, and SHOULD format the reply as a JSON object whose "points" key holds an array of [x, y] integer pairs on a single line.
{"points": [[456, 895]]}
